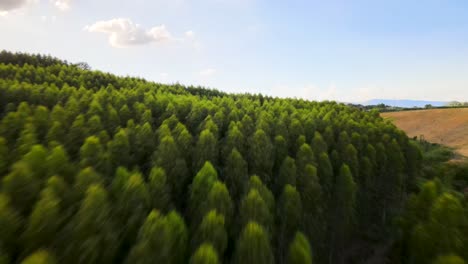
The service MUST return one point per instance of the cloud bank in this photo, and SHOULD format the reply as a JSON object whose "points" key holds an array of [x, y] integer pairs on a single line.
{"points": [[61, 4], [9, 5], [123, 32], [208, 72]]}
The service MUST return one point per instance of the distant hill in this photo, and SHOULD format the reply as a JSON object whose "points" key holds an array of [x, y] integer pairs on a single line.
{"points": [[444, 126], [404, 103]]}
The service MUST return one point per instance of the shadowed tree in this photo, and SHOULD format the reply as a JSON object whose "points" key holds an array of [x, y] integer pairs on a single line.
{"points": [[261, 156], [205, 254], [289, 216], [305, 156], [253, 246], [281, 152], [25, 142], [314, 214], [449, 259], [343, 218], [236, 175], [40, 257], [161, 239], [220, 200], [318, 144], [325, 173], [56, 133], [4, 154], [132, 204], [286, 175], [254, 208], [205, 150], [35, 159], [234, 139], [211, 230], [199, 190], [159, 190], [90, 235], [119, 150], [22, 187], [92, 154], [299, 250], [10, 224], [58, 163], [169, 158], [77, 134], [43, 223]]}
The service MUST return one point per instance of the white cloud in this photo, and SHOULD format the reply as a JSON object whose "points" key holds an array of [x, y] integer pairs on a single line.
{"points": [[8, 5], [208, 72], [124, 33], [61, 4], [164, 75], [47, 18], [190, 34]]}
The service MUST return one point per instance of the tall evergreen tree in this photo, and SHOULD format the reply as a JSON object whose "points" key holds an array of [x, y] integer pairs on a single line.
{"points": [[261, 158], [253, 246], [299, 250], [212, 230], [205, 254], [236, 175]]}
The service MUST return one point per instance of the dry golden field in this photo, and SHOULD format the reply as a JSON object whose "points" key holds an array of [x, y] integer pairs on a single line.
{"points": [[444, 126]]}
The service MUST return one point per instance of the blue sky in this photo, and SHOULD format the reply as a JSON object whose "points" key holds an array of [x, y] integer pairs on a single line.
{"points": [[337, 49]]}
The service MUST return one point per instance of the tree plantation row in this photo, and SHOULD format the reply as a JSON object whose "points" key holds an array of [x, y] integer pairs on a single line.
{"points": [[97, 168]]}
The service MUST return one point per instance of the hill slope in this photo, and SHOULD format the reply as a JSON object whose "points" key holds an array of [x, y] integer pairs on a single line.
{"points": [[444, 126], [404, 103], [96, 168]]}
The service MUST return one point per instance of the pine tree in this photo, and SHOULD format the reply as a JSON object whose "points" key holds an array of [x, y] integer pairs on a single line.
{"points": [[157, 241], [4, 154], [449, 259], [286, 174], [21, 186], [261, 158], [220, 200], [299, 250], [58, 163], [205, 150], [236, 175], [290, 218], [10, 225], [169, 158], [305, 156], [254, 208], [132, 204], [212, 230], [159, 189], [344, 210], [119, 150], [253, 246], [43, 223], [200, 188], [318, 144], [325, 172], [92, 154], [205, 254], [35, 159], [91, 233], [40, 257]]}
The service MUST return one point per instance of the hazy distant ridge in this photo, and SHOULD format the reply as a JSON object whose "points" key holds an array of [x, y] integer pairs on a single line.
{"points": [[404, 103]]}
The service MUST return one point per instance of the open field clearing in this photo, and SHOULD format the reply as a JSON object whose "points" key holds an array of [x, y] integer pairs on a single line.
{"points": [[444, 126]]}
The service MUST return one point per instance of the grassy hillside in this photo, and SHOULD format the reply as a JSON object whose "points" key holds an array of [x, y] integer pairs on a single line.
{"points": [[443, 126], [96, 168]]}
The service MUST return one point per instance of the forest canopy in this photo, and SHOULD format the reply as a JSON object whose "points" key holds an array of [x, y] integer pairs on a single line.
{"points": [[96, 168]]}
